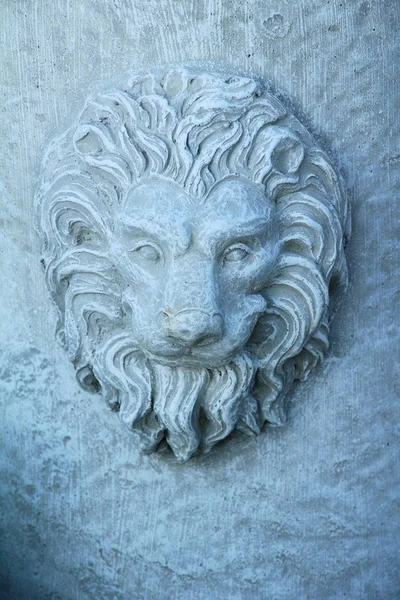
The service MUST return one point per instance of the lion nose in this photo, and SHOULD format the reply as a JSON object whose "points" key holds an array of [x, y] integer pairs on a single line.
{"points": [[193, 327]]}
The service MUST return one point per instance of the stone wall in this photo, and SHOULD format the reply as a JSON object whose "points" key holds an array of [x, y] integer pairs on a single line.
{"points": [[309, 510]]}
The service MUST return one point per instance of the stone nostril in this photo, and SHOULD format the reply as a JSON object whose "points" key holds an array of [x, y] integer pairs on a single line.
{"points": [[166, 318]]}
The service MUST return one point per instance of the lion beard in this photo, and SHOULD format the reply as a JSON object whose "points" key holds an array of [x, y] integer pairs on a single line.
{"points": [[191, 408]]}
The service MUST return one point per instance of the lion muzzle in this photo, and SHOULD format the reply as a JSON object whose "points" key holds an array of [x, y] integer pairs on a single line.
{"points": [[193, 327]]}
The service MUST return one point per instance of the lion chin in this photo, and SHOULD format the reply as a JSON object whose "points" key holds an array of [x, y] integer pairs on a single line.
{"points": [[192, 408], [197, 407]]}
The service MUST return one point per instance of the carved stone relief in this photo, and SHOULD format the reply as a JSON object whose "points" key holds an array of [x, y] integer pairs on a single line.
{"points": [[193, 237]]}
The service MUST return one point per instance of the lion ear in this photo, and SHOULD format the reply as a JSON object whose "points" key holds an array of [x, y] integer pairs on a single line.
{"points": [[287, 155]]}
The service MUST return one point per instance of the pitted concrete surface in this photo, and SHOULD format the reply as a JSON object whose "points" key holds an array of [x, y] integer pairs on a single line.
{"points": [[306, 511]]}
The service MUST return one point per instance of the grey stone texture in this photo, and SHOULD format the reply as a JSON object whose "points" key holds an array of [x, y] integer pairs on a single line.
{"points": [[309, 510], [193, 243]]}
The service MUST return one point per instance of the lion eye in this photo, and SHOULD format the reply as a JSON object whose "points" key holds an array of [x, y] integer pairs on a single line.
{"points": [[148, 252], [236, 253]]}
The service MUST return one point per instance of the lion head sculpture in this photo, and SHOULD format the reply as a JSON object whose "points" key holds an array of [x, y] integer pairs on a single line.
{"points": [[194, 247]]}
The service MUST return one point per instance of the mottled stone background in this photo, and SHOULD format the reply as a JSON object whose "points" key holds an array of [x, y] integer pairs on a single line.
{"points": [[307, 511]]}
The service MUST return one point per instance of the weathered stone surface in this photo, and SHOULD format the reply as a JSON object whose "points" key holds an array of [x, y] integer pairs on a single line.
{"points": [[309, 510], [193, 244]]}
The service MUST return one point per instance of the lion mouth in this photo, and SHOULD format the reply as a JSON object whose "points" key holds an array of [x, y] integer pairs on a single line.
{"points": [[189, 357]]}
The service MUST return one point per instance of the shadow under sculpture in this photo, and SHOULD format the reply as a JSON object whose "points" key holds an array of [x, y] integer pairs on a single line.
{"points": [[193, 237]]}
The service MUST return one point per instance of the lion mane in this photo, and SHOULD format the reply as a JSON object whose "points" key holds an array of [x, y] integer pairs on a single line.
{"points": [[194, 129]]}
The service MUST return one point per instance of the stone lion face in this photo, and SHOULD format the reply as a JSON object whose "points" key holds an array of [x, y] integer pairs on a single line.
{"points": [[193, 244], [193, 270]]}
